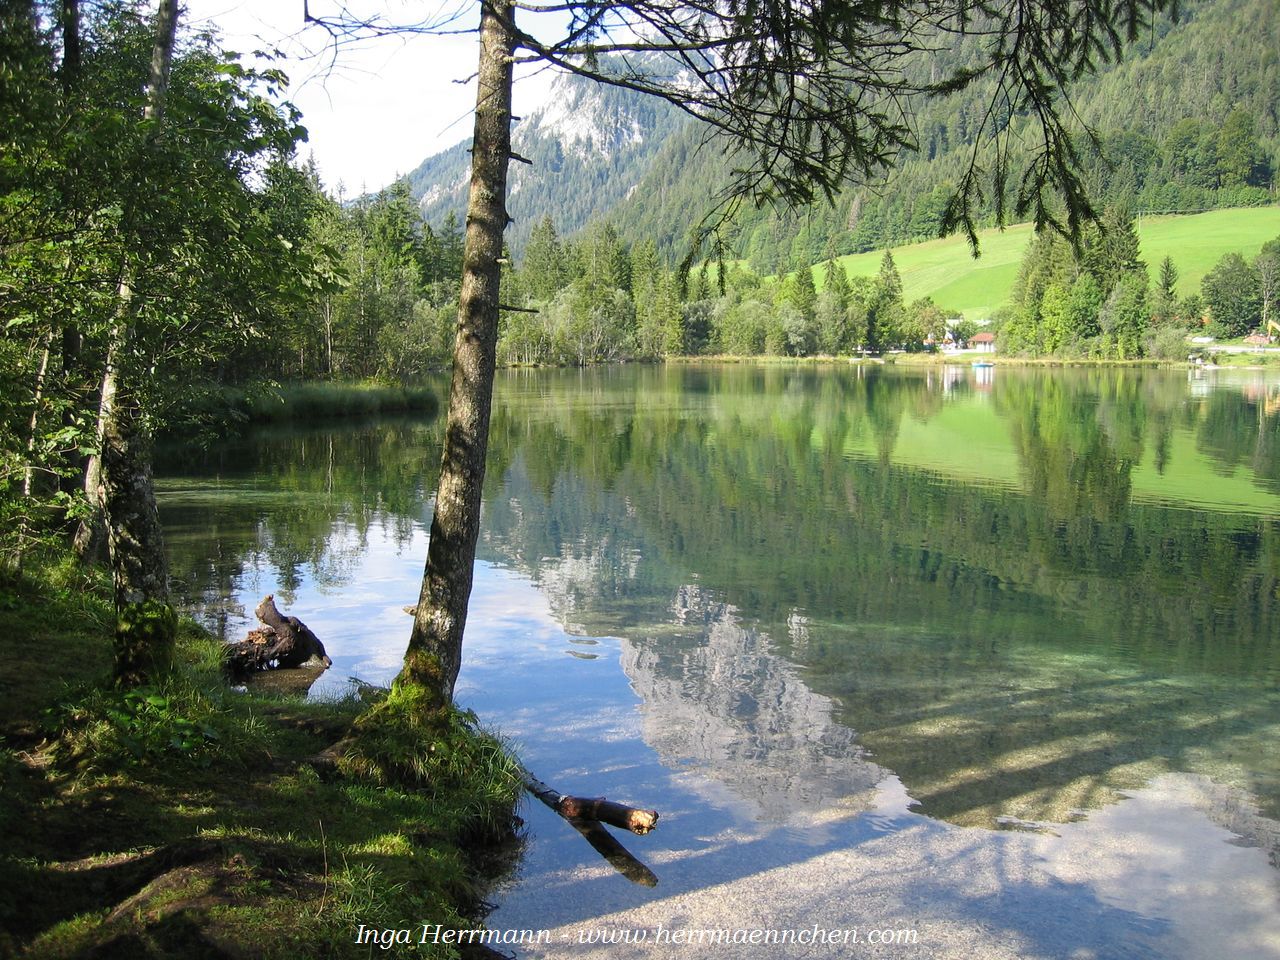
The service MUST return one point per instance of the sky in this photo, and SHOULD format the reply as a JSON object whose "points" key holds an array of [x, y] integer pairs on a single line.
{"points": [[373, 110]]}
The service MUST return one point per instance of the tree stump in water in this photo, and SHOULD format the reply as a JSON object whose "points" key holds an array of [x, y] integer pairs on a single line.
{"points": [[281, 643]]}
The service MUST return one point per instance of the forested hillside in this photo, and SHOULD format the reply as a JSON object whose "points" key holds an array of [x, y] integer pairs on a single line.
{"points": [[1189, 120]]}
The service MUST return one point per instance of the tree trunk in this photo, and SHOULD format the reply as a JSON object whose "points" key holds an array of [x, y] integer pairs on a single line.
{"points": [[71, 340], [33, 428], [145, 622], [435, 646]]}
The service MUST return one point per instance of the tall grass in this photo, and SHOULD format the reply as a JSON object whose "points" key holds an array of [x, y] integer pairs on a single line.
{"points": [[308, 401]]}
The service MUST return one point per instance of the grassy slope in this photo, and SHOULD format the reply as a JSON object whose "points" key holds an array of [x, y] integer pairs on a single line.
{"points": [[188, 822], [945, 270]]}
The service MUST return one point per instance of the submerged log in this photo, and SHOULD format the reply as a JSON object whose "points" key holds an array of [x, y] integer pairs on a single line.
{"points": [[592, 808], [618, 856], [281, 643], [586, 814]]}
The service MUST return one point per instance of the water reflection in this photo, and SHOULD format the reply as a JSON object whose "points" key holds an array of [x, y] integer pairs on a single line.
{"points": [[851, 602], [1150, 878], [715, 694]]}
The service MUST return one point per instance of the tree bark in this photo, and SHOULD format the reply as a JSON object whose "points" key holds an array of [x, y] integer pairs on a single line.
{"points": [[90, 536], [71, 340], [69, 23], [435, 646], [145, 622], [33, 427]]}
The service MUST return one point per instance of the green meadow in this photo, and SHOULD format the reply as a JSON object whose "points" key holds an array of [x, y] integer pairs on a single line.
{"points": [[947, 271]]}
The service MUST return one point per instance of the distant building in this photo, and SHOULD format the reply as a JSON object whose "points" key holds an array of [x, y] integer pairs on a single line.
{"points": [[984, 342]]}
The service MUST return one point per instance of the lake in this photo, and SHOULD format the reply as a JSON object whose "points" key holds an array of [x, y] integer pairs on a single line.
{"points": [[973, 662]]}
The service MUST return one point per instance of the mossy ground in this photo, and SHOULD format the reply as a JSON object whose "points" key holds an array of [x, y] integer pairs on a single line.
{"points": [[187, 820]]}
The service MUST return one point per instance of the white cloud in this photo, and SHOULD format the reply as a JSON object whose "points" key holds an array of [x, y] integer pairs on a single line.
{"points": [[374, 109]]}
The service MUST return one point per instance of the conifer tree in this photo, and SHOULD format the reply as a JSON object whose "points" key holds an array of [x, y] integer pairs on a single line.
{"points": [[1164, 300], [884, 314], [1111, 249], [837, 281], [1168, 277], [544, 262], [669, 317], [803, 294]]}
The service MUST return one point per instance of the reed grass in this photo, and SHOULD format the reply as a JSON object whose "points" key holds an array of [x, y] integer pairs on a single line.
{"points": [[220, 410]]}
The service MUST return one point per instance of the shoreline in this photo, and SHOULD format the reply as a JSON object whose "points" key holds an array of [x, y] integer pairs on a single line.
{"points": [[194, 816]]}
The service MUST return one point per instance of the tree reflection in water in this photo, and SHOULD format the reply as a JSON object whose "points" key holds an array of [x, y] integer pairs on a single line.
{"points": [[1020, 599]]}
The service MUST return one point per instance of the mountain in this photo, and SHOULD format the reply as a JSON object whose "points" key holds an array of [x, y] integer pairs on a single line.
{"points": [[1188, 120], [590, 145]]}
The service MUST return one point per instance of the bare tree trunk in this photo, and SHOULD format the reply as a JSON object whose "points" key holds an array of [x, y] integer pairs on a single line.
{"points": [[71, 340], [33, 428], [145, 621], [69, 16], [435, 646], [91, 534], [1268, 267]]}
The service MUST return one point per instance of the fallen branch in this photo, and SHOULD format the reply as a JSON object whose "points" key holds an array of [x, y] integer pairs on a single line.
{"points": [[619, 857], [586, 814], [592, 808]]}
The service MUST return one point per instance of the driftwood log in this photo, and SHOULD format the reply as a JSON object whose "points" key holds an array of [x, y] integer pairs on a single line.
{"points": [[585, 814], [280, 643], [592, 808]]}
